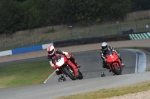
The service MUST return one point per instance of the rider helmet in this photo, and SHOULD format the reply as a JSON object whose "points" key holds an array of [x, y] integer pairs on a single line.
{"points": [[104, 46], [50, 50]]}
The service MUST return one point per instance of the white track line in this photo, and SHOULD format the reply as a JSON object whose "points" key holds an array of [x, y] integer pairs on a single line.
{"points": [[49, 77]]}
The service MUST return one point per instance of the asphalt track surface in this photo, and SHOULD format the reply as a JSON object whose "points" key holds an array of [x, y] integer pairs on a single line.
{"points": [[91, 67], [91, 64]]}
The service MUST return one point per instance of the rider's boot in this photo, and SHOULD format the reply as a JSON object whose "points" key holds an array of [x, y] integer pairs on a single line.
{"points": [[114, 74], [58, 72], [105, 66], [109, 70]]}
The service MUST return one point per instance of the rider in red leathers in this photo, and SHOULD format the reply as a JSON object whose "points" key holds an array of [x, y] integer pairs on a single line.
{"points": [[52, 51]]}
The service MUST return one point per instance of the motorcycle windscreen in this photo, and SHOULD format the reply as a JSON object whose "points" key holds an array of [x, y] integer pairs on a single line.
{"points": [[111, 57], [59, 60]]}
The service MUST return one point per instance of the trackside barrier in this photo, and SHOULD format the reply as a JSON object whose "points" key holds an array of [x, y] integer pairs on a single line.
{"points": [[5, 53], [119, 37], [25, 49], [139, 36]]}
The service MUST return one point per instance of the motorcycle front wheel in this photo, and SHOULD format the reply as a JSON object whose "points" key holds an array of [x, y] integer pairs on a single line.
{"points": [[117, 70], [69, 71], [80, 76]]}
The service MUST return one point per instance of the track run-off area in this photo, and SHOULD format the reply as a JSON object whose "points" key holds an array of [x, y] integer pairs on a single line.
{"points": [[91, 66]]}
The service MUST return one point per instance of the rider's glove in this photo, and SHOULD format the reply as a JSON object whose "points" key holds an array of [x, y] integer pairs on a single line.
{"points": [[68, 56], [118, 54], [105, 59]]}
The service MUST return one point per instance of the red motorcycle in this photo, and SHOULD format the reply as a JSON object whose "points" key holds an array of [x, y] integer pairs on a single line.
{"points": [[67, 67], [114, 62]]}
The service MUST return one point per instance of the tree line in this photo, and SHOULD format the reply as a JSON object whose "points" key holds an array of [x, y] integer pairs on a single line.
{"points": [[28, 14]]}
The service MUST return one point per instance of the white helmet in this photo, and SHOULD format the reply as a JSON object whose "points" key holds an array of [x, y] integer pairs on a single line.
{"points": [[50, 50], [104, 45]]}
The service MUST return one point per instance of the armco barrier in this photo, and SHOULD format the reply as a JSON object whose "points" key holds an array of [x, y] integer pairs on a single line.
{"points": [[5, 53], [30, 49], [25, 49]]}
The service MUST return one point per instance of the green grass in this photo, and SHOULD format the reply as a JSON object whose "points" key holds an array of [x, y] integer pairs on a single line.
{"points": [[106, 93], [24, 74]]}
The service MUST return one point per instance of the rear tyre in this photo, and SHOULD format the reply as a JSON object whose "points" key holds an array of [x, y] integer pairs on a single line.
{"points": [[69, 71]]}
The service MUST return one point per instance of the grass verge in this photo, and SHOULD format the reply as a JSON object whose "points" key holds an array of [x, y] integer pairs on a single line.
{"points": [[106, 93], [24, 74]]}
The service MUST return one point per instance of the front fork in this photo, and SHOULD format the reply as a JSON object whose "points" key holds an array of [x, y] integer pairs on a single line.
{"points": [[111, 66], [75, 69]]}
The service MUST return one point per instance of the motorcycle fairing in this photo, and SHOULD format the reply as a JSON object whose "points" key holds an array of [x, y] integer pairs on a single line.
{"points": [[73, 67], [113, 59]]}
